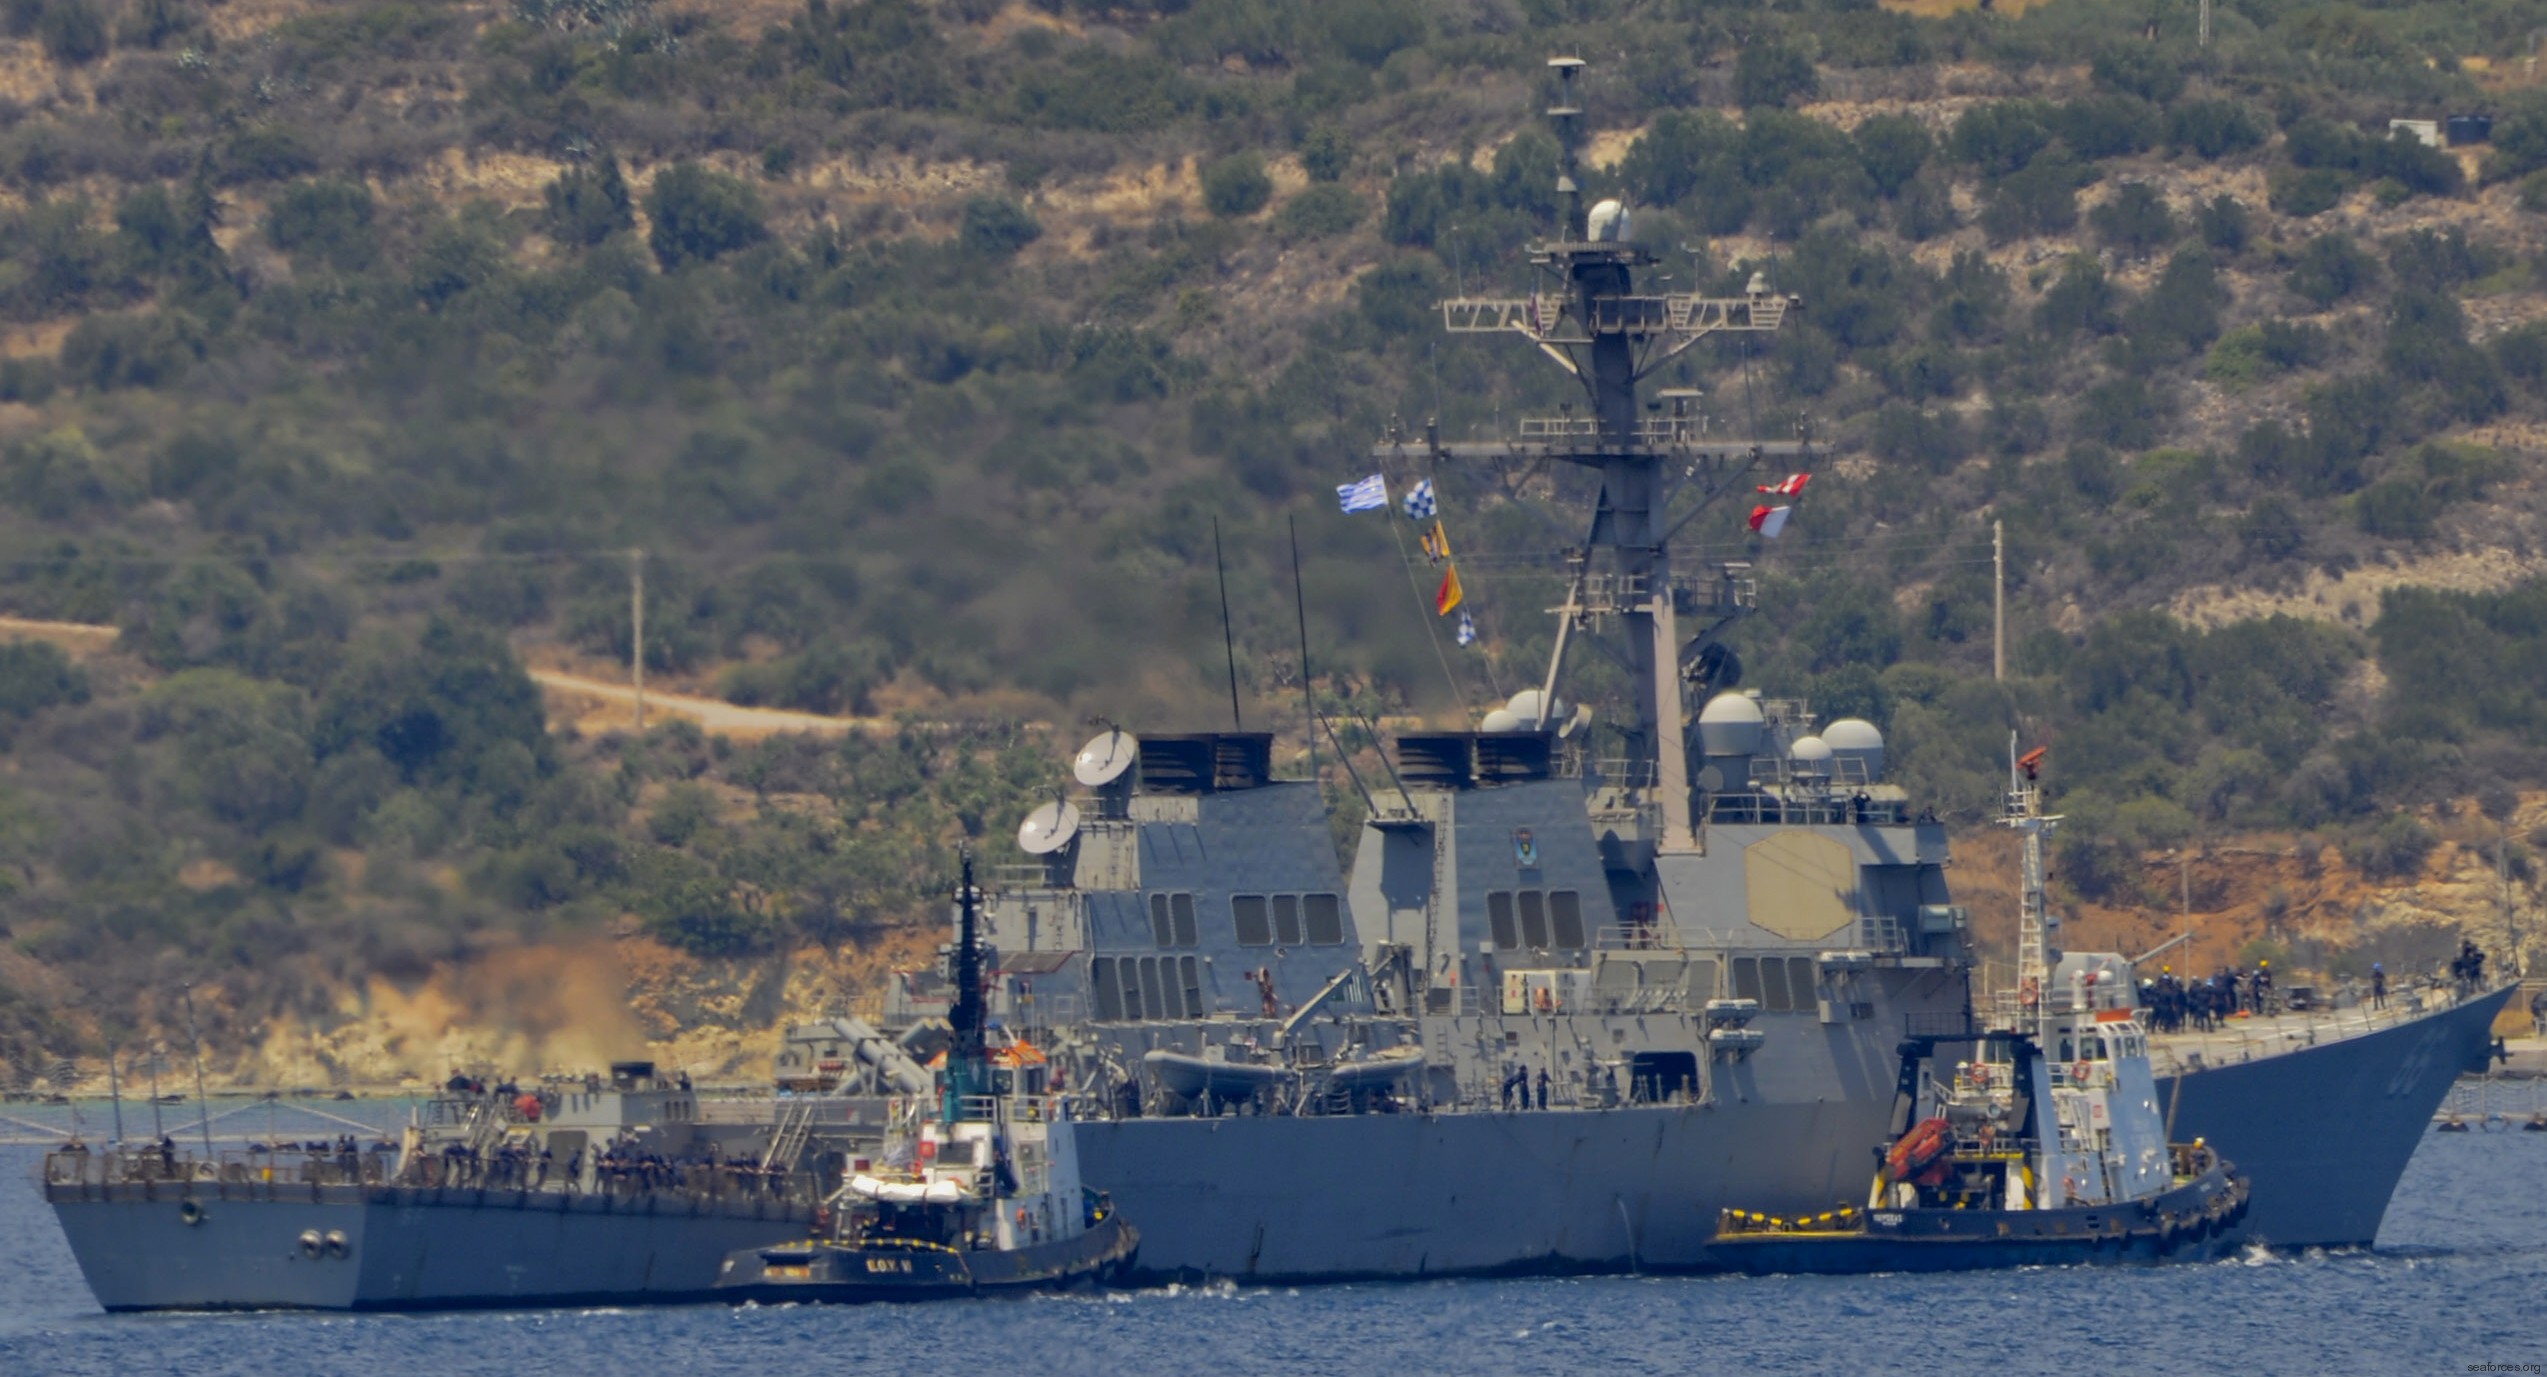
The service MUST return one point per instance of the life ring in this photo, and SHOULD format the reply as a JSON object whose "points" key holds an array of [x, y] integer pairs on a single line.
{"points": [[2079, 1072], [1923, 1144], [2029, 994]]}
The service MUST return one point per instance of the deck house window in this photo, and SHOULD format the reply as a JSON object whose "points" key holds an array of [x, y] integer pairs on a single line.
{"points": [[1247, 912], [1773, 995], [1534, 919], [1565, 915], [1101, 986], [1286, 915], [1323, 914]]}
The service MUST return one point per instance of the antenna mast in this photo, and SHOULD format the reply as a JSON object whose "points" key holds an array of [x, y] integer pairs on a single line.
{"points": [[1588, 318], [2037, 931]]}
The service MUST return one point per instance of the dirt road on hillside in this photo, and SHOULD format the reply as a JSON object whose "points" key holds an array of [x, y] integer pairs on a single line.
{"points": [[592, 704]]}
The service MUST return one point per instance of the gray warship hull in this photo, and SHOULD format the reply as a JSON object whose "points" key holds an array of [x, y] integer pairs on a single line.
{"points": [[2329, 1130], [2324, 1132], [162, 1247]]}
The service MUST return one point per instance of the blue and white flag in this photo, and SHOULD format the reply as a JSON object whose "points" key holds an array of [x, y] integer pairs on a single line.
{"points": [[1419, 503], [1369, 495], [1467, 629]]}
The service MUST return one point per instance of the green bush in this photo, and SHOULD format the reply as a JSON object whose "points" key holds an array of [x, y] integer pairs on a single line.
{"points": [[2304, 192], [700, 215], [996, 227], [2134, 220], [1326, 154], [73, 32], [1320, 211], [1236, 185], [588, 203], [324, 223], [1773, 74], [2331, 268], [2214, 128]]}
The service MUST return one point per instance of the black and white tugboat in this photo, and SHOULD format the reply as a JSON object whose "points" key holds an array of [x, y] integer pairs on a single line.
{"points": [[2045, 1147], [977, 1192]]}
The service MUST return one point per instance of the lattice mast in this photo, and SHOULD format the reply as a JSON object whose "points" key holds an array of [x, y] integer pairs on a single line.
{"points": [[2037, 930], [1588, 317]]}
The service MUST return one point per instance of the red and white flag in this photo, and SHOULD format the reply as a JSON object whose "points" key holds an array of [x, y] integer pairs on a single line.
{"points": [[1768, 521], [1792, 486]]}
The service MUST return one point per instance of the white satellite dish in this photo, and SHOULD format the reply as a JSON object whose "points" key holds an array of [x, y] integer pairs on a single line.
{"points": [[1048, 829], [1582, 718], [1104, 759]]}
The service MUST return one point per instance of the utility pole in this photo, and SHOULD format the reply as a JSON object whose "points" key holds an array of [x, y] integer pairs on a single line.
{"points": [[203, 1111], [1998, 600], [637, 631]]}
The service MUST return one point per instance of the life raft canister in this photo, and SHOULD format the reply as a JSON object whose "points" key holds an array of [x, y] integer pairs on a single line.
{"points": [[1923, 1144]]}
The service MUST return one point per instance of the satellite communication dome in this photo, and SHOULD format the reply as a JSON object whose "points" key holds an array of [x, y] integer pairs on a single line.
{"points": [[1525, 706], [1104, 759], [1810, 755], [1048, 829], [1730, 724], [1855, 738], [1607, 222], [1503, 720]]}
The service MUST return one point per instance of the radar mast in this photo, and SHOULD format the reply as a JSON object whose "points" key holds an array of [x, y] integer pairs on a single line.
{"points": [[1586, 316]]}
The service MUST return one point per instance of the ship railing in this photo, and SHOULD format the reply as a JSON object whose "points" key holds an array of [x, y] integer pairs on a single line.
{"points": [[2243, 1039], [1452, 1001]]}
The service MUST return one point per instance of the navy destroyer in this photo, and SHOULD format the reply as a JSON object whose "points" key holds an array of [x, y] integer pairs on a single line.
{"points": [[1584, 987]]}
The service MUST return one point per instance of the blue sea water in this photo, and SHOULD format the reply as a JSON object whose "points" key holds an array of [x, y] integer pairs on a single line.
{"points": [[2456, 1281]]}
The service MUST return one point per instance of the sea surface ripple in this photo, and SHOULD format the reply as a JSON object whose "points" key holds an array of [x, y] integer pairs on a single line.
{"points": [[2453, 1284]]}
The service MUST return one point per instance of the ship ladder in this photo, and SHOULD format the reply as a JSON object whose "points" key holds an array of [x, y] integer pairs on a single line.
{"points": [[795, 1126]]}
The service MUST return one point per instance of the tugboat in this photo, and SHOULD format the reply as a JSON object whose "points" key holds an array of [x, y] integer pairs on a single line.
{"points": [[982, 1195], [2046, 1147]]}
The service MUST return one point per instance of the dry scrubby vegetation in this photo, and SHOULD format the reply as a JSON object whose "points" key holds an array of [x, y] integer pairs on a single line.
{"points": [[331, 436]]}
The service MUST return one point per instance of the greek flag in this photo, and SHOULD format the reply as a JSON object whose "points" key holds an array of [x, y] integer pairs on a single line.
{"points": [[1467, 629], [1419, 503], [1369, 495]]}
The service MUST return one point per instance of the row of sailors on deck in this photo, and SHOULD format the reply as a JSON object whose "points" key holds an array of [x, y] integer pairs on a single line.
{"points": [[2172, 1004], [622, 1168]]}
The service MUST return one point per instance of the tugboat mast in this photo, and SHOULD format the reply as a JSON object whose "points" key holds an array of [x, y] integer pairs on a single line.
{"points": [[1589, 318], [2037, 931], [967, 1053]]}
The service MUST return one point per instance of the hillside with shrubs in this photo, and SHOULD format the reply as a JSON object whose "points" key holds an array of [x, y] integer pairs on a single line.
{"points": [[931, 353]]}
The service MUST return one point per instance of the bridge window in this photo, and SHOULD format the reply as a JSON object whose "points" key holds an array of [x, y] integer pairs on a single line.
{"points": [[1286, 915], [1702, 979], [1499, 919], [1193, 986], [1172, 921], [1565, 915], [1101, 986], [1323, 914], [1534, 919], [1746, 977], [1153, 996], [1248, 913], [1800, 980], [1773, 992]]}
